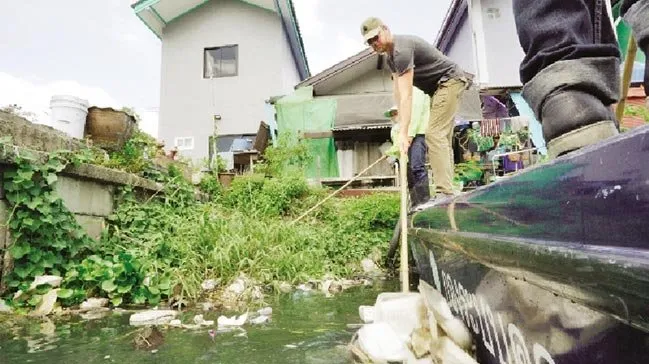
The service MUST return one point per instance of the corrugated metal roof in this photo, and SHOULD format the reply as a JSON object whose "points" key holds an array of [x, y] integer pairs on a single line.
{"points": [[338, 67], [362, 109], [382, 125]]}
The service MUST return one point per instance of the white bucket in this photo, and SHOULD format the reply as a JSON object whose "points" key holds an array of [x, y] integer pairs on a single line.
{"points": [[69, 114]]}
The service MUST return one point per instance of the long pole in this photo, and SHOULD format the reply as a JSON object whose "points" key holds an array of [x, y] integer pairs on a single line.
{"points": [[632, 49], [338, 190], [405, 284]]}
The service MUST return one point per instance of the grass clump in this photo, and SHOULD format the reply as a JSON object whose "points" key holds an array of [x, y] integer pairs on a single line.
{"points": [[247, 230], [164, 246]]}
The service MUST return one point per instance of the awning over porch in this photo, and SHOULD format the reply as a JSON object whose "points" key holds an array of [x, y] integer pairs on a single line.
{"points": [[366, 110]]}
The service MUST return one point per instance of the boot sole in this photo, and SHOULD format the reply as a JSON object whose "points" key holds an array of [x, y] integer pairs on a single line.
{"points": [[586, 135]]}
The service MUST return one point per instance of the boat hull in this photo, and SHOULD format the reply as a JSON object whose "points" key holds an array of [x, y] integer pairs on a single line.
{"points": [[551, 265]]}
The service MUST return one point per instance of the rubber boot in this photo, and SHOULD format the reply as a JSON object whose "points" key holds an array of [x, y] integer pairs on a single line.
{"points": [[573, 119], [419, 194]]}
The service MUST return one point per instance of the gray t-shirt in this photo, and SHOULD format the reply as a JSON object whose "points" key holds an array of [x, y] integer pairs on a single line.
{"points": [[429, 64]]}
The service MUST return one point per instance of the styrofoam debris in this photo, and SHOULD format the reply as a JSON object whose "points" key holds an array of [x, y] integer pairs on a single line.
{"points": [[54, 281], [366, 313], [380, 342], [152, 317], [46, 305], [457, 331], [401, 311], [435, 302], [448, 352], [93, 303], [266, 311], [259, 320], [420, 342], [232, 321]]}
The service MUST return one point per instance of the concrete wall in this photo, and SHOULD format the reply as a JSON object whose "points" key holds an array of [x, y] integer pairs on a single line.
{"points": [[188, 101], [87, 191]]}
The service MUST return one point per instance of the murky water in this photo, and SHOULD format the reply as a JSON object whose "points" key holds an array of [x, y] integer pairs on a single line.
{"points": [[305, 328]]}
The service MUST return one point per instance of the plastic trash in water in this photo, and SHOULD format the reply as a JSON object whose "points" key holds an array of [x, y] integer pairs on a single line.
{"points": [[232, 321], [404, 312], [259, 320], [366, 313], [448, 352], [381, 344]]}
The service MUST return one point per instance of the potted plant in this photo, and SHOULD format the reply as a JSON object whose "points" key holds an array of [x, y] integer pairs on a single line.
{"points": [[225, 177]]}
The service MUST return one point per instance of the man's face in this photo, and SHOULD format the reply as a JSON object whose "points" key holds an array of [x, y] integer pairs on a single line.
{"points": [[380, 42]]}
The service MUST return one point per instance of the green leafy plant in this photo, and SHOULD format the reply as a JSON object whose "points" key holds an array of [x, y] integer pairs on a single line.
{"points": [[468, 172], [46, 237], [640, 111], [162, 246], [47, 240], [136, 156], [483, 143], [121, 278], [210, 185], [289, 156]]}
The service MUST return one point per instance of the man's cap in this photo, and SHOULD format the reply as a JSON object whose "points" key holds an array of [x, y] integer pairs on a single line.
{"points": [[388, 114], [371, 27]]}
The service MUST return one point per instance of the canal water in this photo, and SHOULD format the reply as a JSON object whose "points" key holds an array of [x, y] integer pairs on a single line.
{"points": [[306, 327]]}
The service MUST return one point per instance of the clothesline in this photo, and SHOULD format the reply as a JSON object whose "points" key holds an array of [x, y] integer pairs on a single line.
{"points": [[493, 127]]}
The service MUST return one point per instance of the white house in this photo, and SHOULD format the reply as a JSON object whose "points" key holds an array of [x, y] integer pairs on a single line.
{"points": [[480, 35], [221, 59]]}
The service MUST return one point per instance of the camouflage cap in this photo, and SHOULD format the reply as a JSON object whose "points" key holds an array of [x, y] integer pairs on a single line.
{"points": [[371, 27]]}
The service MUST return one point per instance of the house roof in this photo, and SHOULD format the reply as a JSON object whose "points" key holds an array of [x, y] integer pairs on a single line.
{"points": [[156, 14], [343, 72], [455, 15]]}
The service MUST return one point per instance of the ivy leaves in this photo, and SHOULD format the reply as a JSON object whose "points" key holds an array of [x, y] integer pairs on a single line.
{"points": [[45, 234], [121, 278], [48, 240]]}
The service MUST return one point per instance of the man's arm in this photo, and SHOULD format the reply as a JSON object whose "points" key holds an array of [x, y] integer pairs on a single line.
{"points": [[403, 92], [395, 89]]}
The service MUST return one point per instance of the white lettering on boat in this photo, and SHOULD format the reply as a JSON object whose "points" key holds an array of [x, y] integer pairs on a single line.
{"points": [[507, 347]]}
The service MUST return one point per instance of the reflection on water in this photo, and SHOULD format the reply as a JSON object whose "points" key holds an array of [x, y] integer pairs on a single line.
{"points": [[305, 328]]}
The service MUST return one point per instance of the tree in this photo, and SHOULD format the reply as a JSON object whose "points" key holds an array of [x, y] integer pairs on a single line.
{"points": [[17, 110], [131, 112]]}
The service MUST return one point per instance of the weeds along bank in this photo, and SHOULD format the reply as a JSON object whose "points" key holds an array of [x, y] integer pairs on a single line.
{"points": [[162, 247]]}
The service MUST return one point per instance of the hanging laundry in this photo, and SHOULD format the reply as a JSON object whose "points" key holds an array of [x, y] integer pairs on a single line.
{"points": [[490, 127]]}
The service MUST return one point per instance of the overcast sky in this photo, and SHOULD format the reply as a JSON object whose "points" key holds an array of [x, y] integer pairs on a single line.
{"points": [[99, 50]]}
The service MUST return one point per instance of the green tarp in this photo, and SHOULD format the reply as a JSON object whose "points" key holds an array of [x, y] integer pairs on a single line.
{"points": [[623, 33], [300, 113]]}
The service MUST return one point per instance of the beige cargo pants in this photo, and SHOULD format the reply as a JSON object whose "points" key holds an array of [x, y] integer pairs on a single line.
{"points": [[439, 134]]}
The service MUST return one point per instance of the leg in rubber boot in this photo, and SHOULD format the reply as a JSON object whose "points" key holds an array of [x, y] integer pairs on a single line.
{"points": [[574, 119], [570, 71], [419, 189]]}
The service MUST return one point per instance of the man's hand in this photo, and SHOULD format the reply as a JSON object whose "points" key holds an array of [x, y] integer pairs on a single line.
{"points": [[404, 142]]}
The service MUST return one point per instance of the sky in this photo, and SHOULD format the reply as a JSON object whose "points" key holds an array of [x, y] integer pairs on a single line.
{"points": [[100, 51]]}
